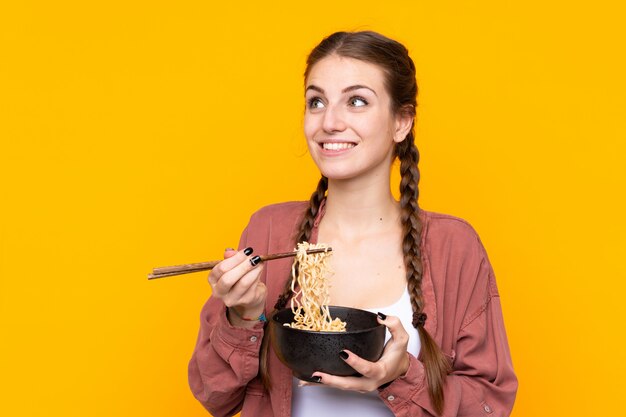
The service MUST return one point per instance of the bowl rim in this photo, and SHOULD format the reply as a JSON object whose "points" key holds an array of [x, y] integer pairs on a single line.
{"points": [[325, 332]]}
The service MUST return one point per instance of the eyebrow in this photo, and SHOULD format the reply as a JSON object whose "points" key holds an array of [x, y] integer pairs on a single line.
{"points": [[345, 90]]}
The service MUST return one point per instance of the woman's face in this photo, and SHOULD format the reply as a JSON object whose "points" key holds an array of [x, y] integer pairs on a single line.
{"points": [[348, 123]]}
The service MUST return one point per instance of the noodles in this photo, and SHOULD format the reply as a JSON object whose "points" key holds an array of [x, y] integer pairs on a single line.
{"points": [[310, 301]]}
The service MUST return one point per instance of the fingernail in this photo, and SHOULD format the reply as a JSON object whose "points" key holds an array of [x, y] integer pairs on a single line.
{"points": [[381, 316], [248, 251], [255, 261], [228, 249], [317, 379], [343, 355]]}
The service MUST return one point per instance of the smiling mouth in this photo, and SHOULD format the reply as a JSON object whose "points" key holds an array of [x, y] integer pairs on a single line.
{"points": [[337, 146]]}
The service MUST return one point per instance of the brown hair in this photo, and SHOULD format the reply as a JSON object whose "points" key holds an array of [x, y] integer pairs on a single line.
{"points": [[393, 58]]}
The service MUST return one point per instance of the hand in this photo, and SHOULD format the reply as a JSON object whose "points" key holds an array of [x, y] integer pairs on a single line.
{"points": [[393, 363], [236, 282]]}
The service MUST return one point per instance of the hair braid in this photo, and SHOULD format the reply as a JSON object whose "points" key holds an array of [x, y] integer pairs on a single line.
{"points": [[435, 363], [304, 235]]}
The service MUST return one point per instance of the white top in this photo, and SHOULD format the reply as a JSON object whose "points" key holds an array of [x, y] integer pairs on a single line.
{"points": [[318, 400]]}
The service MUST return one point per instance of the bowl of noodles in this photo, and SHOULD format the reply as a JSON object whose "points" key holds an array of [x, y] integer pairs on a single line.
{"points": [[309, 335], [307, 351]]}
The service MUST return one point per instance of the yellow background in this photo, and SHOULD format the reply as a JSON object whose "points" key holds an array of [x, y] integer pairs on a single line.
{"points": [[141, 134]]}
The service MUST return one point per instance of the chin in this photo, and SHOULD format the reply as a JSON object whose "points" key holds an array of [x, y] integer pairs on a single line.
{"points": [[339, 174]]}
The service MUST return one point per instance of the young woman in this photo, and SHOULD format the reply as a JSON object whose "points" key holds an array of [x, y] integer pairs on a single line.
{"points": [[427, 274]]}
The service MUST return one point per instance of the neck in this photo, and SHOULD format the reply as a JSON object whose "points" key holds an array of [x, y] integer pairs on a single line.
{"points": [[357, 207]]}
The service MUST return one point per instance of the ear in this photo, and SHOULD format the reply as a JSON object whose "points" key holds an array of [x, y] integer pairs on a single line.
{"points": [[404, 124]]}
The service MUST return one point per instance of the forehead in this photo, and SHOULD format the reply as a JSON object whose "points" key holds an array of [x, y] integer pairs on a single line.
{"points": [[337, 71]]}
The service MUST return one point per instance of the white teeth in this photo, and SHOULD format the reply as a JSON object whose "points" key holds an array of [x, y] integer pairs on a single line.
{"points": [[336, 146]]}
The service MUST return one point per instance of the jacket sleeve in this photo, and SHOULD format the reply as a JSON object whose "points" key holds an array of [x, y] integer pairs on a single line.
{"points": [[482, 381], [224, 361]]}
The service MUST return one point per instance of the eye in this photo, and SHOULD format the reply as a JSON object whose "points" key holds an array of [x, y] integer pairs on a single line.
{"points": [[315, 103], [357, 101]]}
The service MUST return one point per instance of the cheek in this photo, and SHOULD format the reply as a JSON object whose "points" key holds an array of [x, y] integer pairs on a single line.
{"points": [[372, 127]]}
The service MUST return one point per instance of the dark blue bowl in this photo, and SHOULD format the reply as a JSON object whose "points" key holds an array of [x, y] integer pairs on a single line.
{"points": [[305, 351]]}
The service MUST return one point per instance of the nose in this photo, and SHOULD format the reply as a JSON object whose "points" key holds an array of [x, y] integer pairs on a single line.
{"points": [[333, 120]]}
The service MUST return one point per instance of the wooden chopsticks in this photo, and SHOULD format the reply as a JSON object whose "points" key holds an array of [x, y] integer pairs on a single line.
{"points": [[168, 271]]}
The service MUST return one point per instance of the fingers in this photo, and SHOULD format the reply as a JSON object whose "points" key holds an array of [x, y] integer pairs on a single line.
{"points": [[241, 275], [248, 290], [368, 370], [390, 366], [232, 260], [229, 252], [348, 383], [235, 280], [395, 360], [399, 335]]}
